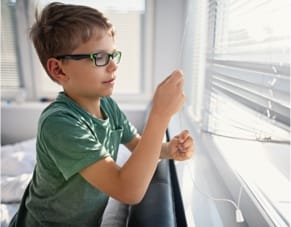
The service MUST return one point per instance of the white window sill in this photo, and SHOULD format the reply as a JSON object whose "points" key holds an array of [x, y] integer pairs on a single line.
{"points": [[254, 163]]}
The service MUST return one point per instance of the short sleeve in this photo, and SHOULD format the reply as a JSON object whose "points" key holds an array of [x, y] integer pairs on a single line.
{"points": [[70, 143], [129, 131]]}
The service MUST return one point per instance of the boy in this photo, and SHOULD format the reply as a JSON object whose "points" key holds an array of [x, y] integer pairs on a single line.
{"points": [[79, 134]]}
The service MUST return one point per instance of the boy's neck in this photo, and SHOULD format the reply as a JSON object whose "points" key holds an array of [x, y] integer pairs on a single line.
{"points": [[90, 105]]}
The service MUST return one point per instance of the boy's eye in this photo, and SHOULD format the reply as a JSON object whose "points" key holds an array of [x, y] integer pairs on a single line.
{"points": [[100, 56]]}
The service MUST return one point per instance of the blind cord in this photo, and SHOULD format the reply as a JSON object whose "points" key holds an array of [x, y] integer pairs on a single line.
{"points": [[238, 213], [257, 139]]}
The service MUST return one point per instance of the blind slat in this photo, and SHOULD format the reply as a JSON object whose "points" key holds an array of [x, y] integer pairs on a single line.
{"points": [[248, 63], [281, 98], [260, 79]]}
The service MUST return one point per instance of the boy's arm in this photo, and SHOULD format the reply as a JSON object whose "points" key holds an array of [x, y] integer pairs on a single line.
{"points": [[181, 147], [133, 143], [129, 182]]}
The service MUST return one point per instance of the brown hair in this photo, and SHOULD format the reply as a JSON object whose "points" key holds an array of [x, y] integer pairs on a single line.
{"points": [[61, 28]]}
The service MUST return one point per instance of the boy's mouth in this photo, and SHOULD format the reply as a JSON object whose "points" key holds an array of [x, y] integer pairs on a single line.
{"points": [[109, 81]]}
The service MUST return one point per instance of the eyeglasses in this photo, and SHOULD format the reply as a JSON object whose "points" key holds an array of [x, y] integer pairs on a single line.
{"points": [[99, 59]]}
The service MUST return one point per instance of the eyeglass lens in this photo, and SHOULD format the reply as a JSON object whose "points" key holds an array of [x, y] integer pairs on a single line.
{"points": [[102, 59]]}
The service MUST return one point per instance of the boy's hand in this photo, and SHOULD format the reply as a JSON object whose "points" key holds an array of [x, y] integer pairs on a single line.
{"points": [[181, 147], [169, 95]]}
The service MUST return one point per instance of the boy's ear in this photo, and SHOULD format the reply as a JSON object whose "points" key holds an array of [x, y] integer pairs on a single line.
{"points": [[54, 67]]}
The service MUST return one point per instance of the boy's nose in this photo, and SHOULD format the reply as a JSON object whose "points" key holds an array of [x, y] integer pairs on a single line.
{"points": [[112, 66]]}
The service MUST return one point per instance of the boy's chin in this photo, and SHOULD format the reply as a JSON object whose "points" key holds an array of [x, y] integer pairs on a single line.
{"points": [[108, 94]]}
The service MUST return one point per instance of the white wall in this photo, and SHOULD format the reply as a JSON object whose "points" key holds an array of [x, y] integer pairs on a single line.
{"points": [[169, 28], [19, 121]]}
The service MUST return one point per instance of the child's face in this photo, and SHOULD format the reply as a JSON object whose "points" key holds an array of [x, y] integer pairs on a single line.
{"points": [[87, 80]]}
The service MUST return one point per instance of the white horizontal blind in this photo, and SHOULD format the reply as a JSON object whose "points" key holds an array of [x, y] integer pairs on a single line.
{"points": [[10, 81], [248, 69]]}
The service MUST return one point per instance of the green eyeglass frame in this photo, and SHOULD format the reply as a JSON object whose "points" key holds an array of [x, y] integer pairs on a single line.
{"points": [[99, 58]]}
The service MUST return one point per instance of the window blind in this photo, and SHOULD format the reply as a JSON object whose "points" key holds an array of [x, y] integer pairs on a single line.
{"points": [[248, 70], [10, 81]]}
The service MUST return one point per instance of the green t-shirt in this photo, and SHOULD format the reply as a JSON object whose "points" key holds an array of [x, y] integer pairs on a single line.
{"points": [[70, 139]]}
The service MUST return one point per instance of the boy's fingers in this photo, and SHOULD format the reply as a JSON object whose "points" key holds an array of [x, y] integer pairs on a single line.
{"points": [[175, 77], [183, 136], [188, 143]]}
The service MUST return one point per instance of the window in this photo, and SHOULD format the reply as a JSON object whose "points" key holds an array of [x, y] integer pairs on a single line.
{"points": [[246, 94], [10, 81], [129, 19]]}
